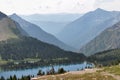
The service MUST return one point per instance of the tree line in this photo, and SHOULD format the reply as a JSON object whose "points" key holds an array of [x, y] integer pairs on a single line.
{"points": [[18, 50]]}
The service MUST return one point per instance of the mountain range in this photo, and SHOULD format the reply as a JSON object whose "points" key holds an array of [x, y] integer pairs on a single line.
{"points": [[108, 39], [51, 23], [96, 34], [14, 45], [84, 29], [36, 32]]}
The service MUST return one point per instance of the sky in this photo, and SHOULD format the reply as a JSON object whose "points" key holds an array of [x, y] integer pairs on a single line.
{"points": [[56, 6]]}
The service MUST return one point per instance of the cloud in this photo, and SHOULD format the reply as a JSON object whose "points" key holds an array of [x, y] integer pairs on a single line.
{"points": [[104, 1], [56, 6]]}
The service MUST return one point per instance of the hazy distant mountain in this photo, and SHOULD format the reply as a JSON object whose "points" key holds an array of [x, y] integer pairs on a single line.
{"points": [[51, 27], [87, 27], [36, 32], [51, 23], [108, 39], [60, 17]]}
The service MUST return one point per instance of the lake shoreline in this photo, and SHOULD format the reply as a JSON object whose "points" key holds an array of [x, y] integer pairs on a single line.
{"points": [[33, 71], [70, 72]]}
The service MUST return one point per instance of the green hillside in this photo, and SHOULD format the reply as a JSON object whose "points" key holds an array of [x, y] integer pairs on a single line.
{"points": [[27, 47], [109, 57], [28, 52]]}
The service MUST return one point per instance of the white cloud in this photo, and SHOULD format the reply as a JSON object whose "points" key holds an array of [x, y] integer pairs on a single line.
{"points": [[56, 6]]}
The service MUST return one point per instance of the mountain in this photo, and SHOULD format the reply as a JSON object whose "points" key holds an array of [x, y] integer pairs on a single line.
{"points": [[108, 39], [50, 27], [2, 15], [87, 27], [16, 47], [36, 32], [108, 57], [51, 23], [60, 17], [8, 28]]}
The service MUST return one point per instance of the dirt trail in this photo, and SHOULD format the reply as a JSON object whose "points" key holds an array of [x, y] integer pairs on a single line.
{"points": [[117, 77]]}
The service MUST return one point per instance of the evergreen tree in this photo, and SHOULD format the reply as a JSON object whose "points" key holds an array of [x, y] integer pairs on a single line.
{"points": [[2, 78], [39, 72], [14, 77], [10, 77], [61, 70]]}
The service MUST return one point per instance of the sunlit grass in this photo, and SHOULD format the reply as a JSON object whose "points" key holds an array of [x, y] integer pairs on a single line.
{"points": [[113, 69], [30, 59], [98, 75], [2, 62], [87, 76]]}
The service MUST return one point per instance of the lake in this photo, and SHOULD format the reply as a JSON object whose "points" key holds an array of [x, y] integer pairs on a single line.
{"points": [[34, 71]]}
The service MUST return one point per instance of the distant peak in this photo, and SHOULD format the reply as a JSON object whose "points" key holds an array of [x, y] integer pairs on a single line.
{"points": [[99, 10], [14, 14]]}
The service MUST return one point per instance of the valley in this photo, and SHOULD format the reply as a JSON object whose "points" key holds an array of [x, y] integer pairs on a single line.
{"points": [[59, 40]]}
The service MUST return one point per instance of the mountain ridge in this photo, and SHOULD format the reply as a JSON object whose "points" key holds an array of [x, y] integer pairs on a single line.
{"points": [[8, 28], [2, 15], [86, 28], [108, 39], [51, 23], [36, 32]]}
